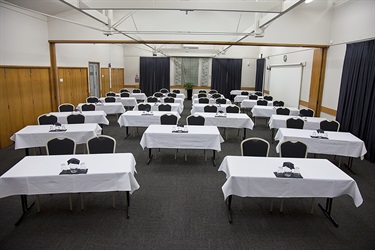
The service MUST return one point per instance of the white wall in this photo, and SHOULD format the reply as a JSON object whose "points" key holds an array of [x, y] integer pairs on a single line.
{"points": [[23, 38]]}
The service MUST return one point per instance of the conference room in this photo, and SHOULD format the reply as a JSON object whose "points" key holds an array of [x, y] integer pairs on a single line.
{"points": [[195, 103]]}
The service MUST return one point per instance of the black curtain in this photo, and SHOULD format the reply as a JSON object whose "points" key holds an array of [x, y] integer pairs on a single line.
{"points": [[154, 74], [226, 75], [259, 74], [356, 107]]}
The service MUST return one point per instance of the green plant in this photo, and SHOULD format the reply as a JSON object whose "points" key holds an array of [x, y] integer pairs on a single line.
{"points": [[188, 85]]}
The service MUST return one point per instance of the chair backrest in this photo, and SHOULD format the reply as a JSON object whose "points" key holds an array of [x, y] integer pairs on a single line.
{"points": [[244, 93], [278, 103], [212, 91], [202, 91], [176, 91], [92, 99], [210, 108], [221, 101], [125, 94], [282, 111], [200, 95], [204, 100], [124, 90], [255, 147], [174, 95], [164, 107], [66, 107], [293, 149], [47, 119], [262, 103], [101, 144], [163, 90], [75, 118], [136, 91], [330, 125], [168, 119], [268, 98], [216, 95], [158, 94], [258, 93], [88, 107], [152, 99], [307, 112], [111, 94], [253, 97], [195, 120], [144, 107], [232, 109], [61, 146], [110, 99], [295, 123], [169, 100]]}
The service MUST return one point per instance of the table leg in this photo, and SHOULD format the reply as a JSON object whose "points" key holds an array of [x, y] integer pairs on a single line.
{"points": [[272, 135], [229, 203], [126, 132], [213, 157], [128, 201], [244, 133], [149, 156], [327, 211], [25, 208], [27, 152]]}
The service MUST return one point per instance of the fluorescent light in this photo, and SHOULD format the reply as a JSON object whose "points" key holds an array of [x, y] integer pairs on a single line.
{"points": [[308, 1]]}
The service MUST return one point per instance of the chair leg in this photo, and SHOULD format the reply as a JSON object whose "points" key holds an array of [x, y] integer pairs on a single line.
{"points": [[82, 206], [241, 204], [312, 206], [37, 204], [185, 154], [113, 200], [205, 155], [271, 207], [281, 205], [70, 202]]}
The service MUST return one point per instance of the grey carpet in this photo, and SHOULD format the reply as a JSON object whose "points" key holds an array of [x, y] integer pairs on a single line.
{"points": [[180, 205]]}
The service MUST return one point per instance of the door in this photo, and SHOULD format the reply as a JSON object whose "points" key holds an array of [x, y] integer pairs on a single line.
{"points": [[94, 83]]}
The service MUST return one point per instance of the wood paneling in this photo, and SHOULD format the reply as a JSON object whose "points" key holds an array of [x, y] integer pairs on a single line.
{"points": [[328, 111], [25, 94], [116, 79], [74, 86]]}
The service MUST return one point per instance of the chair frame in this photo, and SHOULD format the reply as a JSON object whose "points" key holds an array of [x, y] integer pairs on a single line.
{"points": [[255, 139], [295, 119], [92, 97], [293, 141], [66, 105], [168, 115], [88, 105], [330, 121], [76, 115], [47, 115], [61, 138], [101, 136], [165, 105], [195, 116]]}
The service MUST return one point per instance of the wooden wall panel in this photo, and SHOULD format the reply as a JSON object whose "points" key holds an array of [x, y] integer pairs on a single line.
{"points": [[5, 126], [74, 88], [26, 94], [104, 81], [41, 91], [117, 78]]}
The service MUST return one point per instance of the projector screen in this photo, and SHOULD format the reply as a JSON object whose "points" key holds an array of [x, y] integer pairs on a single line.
{"points": [[285, 84]]}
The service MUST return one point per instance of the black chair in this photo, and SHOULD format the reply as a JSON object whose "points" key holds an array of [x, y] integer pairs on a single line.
{"points": [[200, 95], [330, 125], [174, 95], [282, 111], [125, 94], [66, 107], [216, 95], [244, 93], [204, 100], [61, 146], [212, 91], [306, 112], [278, 103], [169, 100], [210, 109], [47, 119], [158, 94], [110, 99], [152, 99], [221, 101], [293, 149], [255, 147], [111, 94], [262, 103], [168, 119], [195, 120], [232, 109], [144, 107], [88, 107], [202, 92], [164, 107], [253, 97], [164, 90], [124, 90], [136, 91], [101, 144], [92, 99], [258, 93], [75, 119], [176, 91], [296, 123], [268, 98]]}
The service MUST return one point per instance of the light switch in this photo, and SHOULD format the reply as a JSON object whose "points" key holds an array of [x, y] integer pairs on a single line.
{"points": [[61, 80]]}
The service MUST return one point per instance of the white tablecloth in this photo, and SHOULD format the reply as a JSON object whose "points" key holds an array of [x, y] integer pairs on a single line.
{"points": [[38, 135], [231, 120], [268, 111], [107, 107], [199, 107], [247, 104], [211, 101], [240, 98], [339, 143], [40, 175], [90, 116], [177, 107], [176, 100], [195, 96], [279, 121], [126, 101], [198, 137], [140, 119], [238, 92], [254, 177], [139, 96]]}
